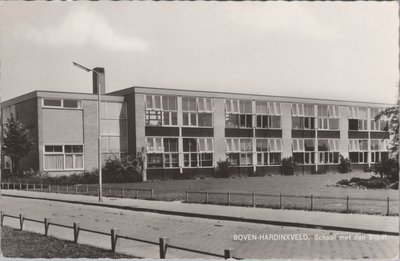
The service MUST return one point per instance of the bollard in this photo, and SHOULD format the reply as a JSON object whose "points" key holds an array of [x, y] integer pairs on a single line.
{"points": [[76, 232], [280, 201], [163, 247], [1, 218], [229, 253], [206, 197], [347, 204], [387, 212], [21, 221], [114, 237], [229, 198], [254, 199], [46, 226], [312, 202]]}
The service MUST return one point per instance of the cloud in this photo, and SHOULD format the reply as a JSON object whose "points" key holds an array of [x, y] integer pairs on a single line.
{"points": [[85, 27]]}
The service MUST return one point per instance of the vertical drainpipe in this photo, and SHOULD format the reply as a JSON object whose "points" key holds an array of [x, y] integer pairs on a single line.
{"points": [[254, 119], [180, 139], [369, 136], [316, 137]]}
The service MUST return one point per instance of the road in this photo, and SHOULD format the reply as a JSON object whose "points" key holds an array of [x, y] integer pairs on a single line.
{"points": [[197, 233]]}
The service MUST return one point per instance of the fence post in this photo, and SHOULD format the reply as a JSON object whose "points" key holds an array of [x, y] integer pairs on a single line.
{"points": [[312, 202], [229, 253], [46, 226], [41, 186], [114, 237], [13, 185], [109, 192], [347, 204], [34, 187], [76, 232], [21, 221], [123, 192], [49, 187], [387, 212], [152, 194], [1, 218], [229, 198], [8, 185], [67, 189], [58, 188], [20, 186], [87, 190], [137, 193], [206, 197], [254, 199], [76, 189], [27, 186], [163, 247], [187, 196], [280, 201]]}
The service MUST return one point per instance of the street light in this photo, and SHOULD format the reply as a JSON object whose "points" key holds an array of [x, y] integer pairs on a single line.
{"points": [[98, 125]]}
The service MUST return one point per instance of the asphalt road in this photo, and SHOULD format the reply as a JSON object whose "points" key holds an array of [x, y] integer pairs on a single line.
{"points": [[248, 240]]}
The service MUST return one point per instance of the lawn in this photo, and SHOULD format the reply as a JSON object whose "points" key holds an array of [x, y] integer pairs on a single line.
{"points": [[23, 244], [360, 200]]}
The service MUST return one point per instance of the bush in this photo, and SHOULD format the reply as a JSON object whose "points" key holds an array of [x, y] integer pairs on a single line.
{"points": [[288, 165], [344, 165], [127, 169], [388, 169], [222, 169]]}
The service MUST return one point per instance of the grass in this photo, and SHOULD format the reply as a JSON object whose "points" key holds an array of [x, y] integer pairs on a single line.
{"points": [[23, 244]]}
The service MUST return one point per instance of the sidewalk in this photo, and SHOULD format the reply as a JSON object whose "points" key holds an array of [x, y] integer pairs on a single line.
{"points": [[370, 224]]}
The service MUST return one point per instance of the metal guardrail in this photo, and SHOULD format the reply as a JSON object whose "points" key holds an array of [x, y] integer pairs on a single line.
{"points": [[114, 236]]}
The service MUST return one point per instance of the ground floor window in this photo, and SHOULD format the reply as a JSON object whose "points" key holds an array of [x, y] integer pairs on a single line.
{"points": [[304, 158], [162, 152], [268, 151], [327, 157], [198, 152], [358, 157], [377, 156], [239, 152], [63, 157]]}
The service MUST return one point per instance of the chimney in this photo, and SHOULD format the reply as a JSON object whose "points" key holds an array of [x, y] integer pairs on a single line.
{"points": [[99, 80]]}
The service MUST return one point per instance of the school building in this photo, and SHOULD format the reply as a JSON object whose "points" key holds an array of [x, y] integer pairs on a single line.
{"points": [[185, 133]]}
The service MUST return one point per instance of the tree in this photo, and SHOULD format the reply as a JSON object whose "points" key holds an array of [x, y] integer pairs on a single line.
{"points": [[17, 141], [392, 113]]}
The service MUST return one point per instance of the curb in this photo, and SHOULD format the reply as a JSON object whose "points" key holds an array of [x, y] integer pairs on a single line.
{"points": [[216, 217]]}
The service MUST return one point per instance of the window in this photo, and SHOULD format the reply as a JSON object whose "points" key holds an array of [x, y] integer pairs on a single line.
{"points": [[303, 151], [328, 151], [114, 146], [161, 110], [162, 152], [198, 152], [239, 152], [358, 151], [378, 125], [238, 114], [358, 118], [268, 115], [62, 103], [268, 151], [63, 157], [328, 117], [379, 150], [303, 116], [197, 112]]}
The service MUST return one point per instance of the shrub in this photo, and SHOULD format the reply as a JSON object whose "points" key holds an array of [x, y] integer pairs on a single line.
{"points": [[344, 165], [388, 169], [127, 169], [288, 165], [222, 169]]}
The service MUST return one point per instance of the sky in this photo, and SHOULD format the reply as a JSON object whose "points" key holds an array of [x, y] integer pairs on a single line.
{"points": [[330, 50]]}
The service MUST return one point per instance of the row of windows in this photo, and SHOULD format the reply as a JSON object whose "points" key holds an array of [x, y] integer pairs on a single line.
{"points": [[303, 145], [62, 103]]}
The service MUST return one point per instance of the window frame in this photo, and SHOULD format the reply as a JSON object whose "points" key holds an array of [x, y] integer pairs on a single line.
{"points": [[79, 103], [64, 154]]}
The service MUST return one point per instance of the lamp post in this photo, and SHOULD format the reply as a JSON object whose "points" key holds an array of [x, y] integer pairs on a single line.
{"points": [[98, 126]]}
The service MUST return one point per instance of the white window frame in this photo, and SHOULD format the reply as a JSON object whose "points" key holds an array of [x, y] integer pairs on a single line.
{"points": [[160, 150], [161, 109], [268, 151], [62, 104], [63, 154]]}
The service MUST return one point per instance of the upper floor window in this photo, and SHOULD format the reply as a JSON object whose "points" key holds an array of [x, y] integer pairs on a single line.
{"points": [[378, 125], [328, 117], [238, 114], [197, 111], [358, 117], [268, 115], [303, 116], [62, 103], [161, 110]]}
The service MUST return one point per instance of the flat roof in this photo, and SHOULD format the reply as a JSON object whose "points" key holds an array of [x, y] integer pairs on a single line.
{"points": [[233, 95]]}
